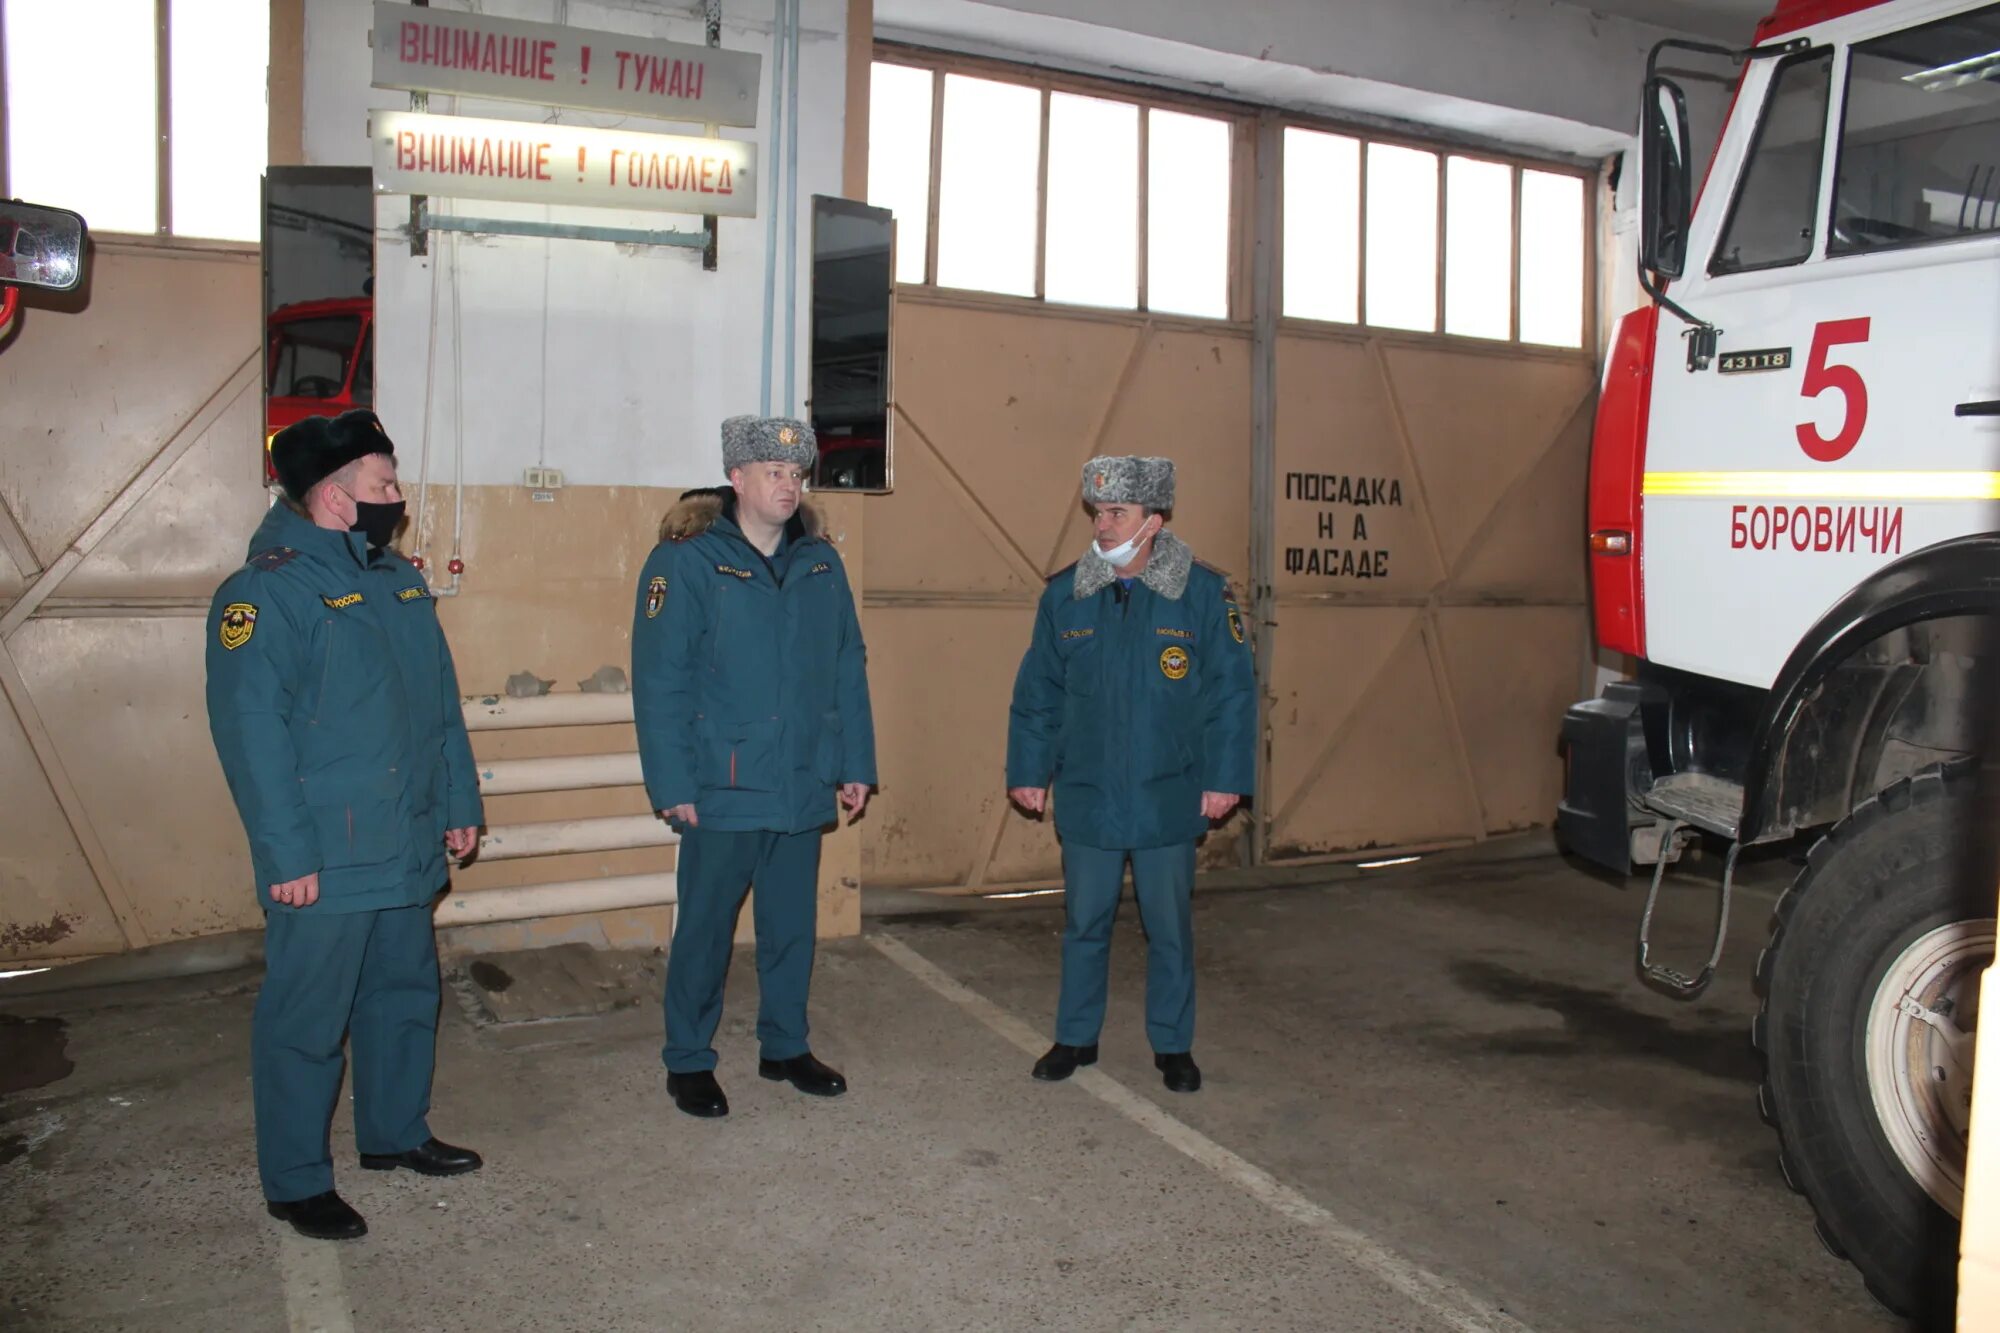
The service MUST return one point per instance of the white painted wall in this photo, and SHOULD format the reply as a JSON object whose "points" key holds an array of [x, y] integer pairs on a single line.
{"points": [[616, 364]]}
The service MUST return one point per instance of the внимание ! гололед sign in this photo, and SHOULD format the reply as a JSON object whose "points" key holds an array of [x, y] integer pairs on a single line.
{"points": [[540, 163]]}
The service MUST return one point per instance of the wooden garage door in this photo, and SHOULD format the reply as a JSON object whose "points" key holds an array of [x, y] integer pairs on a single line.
{"points": [[1415, 706], [1429, 590], [1417, 569]]}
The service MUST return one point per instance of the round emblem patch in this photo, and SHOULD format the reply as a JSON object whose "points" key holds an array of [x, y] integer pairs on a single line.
{"points": [[239, 622], [656, 595], [1174, 662], [788, 436]]}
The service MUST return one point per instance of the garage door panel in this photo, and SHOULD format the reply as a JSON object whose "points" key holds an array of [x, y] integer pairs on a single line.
{"points": [[1350, 518], [12, 578], [943, 539], [141, 387], [1531, 546], [1027, 849], [51, 906], [1392, 777], [189, 533], [1012, 402], [941, 680], [119, 730], [1189, 399], [1325, 661], [1476, 423], [1513, 672]]}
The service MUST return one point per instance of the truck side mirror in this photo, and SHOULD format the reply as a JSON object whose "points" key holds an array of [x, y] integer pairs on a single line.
{"points": [[1666, 179], [40, 247]]}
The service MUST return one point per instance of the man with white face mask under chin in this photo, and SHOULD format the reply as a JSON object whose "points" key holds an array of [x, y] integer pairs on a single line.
{"points": [[1136, 705]]}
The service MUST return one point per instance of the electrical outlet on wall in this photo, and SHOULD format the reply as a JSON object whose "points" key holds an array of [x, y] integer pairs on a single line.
{"points": [[542, 478]]}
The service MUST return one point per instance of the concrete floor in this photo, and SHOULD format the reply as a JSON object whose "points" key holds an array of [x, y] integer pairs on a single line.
{"points": [[1435, 1099]]}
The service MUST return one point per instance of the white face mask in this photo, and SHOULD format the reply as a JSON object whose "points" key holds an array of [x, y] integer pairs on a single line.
{"points": [[1120, 556]]}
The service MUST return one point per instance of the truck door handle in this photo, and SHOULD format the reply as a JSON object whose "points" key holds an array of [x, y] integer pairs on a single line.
{"points": [[1989, 407]]}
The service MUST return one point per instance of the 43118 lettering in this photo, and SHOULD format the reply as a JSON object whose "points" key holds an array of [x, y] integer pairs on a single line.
{"points": [[1765, 358]]}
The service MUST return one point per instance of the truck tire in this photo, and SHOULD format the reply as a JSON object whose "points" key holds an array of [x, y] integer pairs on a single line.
{"points": [[1871, 1094]]}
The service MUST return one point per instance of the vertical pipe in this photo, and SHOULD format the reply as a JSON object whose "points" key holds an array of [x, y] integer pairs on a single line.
{"points": [[1514, 258], [1264, 457], [791, 207], [163, 113], [5, 192], [1442, 273], [420, 231], [1144, 222], [773, 135], [1042, 205], [712, 35], [933, 201]]}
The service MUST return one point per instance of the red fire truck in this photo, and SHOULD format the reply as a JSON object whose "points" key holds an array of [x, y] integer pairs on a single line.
{"points": [[1794, 498], [319, 361]]}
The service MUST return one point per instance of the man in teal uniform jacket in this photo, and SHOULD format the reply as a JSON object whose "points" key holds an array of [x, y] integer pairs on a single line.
{"points": [[1137, 703], [335, 711], [750, 689]]}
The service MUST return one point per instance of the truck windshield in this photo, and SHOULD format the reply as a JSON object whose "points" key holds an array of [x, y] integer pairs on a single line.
{"points": [[1920, 136], [309, 357]]}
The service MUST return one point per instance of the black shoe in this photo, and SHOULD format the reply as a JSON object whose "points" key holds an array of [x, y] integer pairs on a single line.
{"points": [[429, 1158], [1061, 1061], [1182, 1074], [322, 1217], [806, 1073], [698, 1094]]}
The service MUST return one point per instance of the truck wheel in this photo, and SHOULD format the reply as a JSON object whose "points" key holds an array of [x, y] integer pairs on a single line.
{"points": [[1871, 992]]}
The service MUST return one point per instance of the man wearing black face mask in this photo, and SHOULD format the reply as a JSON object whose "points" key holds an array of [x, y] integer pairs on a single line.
{"points": [[335, 711]]}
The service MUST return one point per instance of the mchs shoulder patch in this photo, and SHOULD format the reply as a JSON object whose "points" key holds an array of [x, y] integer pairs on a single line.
{"points": [[238, 623], [414, 594], [342, 602]]}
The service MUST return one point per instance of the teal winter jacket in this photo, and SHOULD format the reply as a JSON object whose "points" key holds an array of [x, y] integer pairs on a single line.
{"points": [[335, 711], [749, 675], [1134, 700]]}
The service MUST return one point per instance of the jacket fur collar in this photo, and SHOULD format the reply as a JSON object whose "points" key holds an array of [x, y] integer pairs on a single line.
{"points": [[696, 511], [1166, 573]]}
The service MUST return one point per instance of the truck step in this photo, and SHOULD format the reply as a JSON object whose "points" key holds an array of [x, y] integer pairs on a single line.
{"points": [[1714, 805]]}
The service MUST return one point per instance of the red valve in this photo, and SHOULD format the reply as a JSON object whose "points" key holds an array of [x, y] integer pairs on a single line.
{"points": [[417, 560], [456, 566]]}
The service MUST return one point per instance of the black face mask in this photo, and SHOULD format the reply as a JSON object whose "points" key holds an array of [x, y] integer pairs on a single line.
{"points": [[377, 522]]}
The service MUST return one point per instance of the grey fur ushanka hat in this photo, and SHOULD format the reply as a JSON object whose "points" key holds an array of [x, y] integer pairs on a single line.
{"points": [[748, 440], [1129, 481]]}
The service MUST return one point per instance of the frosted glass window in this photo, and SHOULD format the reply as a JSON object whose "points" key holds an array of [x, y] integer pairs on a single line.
{"points": [[1322, 226], [899, 159], [1402, 238], [988, 190], [1551, 259], [1092, 250], [1478, 247], [1187, 214], [82, 94], [219, 136]]}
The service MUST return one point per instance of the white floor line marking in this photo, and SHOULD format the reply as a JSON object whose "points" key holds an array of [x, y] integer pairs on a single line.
{"points": [[1459, 1308], [315, 1293]]}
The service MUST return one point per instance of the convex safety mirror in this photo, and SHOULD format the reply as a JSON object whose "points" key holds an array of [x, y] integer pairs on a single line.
{"points": [[40, 247], [1666, 181]]}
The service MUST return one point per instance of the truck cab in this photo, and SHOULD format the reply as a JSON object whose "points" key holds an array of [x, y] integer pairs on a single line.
{"points": [[1794, 495]]}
